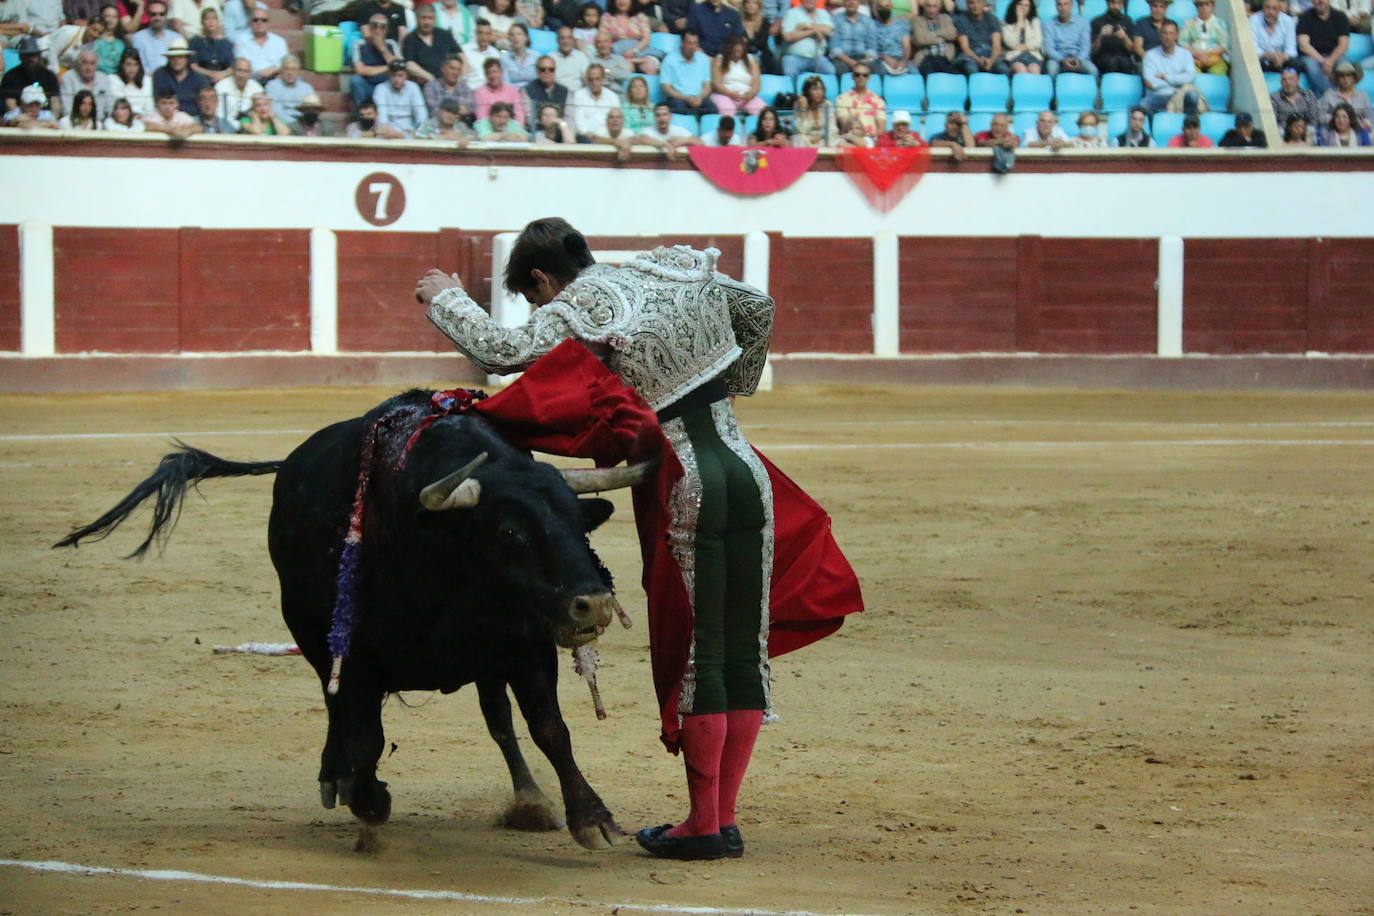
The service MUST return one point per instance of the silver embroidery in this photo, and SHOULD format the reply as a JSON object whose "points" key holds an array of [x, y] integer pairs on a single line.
{"points": [[728, 430], [666, 323], [684, 508]]}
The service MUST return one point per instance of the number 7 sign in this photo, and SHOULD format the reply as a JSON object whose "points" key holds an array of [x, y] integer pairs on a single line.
{"points": [[380, 198]]}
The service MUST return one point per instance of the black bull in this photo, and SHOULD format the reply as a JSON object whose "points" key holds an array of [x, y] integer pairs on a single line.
{"points": [[467, 576]]}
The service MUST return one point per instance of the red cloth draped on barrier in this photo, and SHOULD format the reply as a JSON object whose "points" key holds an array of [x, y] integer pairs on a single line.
{"points": [[568, 403], [886, 173], [751, 170]]}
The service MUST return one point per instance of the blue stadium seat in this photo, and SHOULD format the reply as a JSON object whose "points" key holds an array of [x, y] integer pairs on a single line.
{"points": [[1024, 121], [1361, 46], [1272, 81], [655, 90], [1075, 91], [1044, 9], [875, 83], [946, 91], [770, 86], [11, 59], [687, 121], [1031, 92], [988, 92], [1181, 11], [1165, 126], [666, 42], [1117, 122], [708, 123], [906, 92], [1120, 91], [1068, 121], [349, 31], [543, 41], [751, 124], [832, 83], [934, 123], [1000, 8], [1366, 82], [1138, 9], [1215, 124], [1217, 89], [979, 121], [1093, 8]]}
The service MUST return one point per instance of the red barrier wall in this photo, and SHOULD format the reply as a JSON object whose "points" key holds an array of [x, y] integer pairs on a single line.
{"points": [[1245, 295], [174, 290], [116, 290], [957, 295], [377, 271], [1340, 283], [9, 287], [824, 294], [1027, 294]]}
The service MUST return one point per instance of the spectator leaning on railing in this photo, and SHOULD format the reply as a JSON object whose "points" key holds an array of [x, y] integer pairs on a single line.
{"points": [[310, 123], [207, 114], [500, 126], [1136, 134], [262, 121], [445, 124]]}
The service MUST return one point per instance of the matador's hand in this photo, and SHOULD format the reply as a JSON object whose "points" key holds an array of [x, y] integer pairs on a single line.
{"points": [[435, 282]]}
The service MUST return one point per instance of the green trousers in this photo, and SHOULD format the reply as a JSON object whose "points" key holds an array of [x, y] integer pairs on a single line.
{"points": [[722, 538]]}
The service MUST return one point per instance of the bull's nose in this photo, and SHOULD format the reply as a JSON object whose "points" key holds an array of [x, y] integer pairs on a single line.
{"points": [[591, 610]]}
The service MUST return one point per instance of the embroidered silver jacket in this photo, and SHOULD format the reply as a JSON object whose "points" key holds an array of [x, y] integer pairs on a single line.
{"points": [[666, 323]]}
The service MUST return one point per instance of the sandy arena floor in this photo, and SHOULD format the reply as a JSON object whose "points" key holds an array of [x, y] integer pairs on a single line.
{"points": [[1116, 658]]}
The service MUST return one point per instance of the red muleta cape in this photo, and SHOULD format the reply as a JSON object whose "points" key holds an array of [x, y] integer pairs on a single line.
{"points": [[568, 403]]}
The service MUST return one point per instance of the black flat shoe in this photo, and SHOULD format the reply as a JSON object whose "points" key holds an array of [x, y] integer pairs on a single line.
{"points": [[657, 843], [734, 842]]}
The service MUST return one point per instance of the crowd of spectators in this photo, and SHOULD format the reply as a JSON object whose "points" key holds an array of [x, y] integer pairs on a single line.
{"points": [[446, 70]]}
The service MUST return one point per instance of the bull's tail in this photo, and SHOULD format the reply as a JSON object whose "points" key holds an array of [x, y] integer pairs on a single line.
{"points": [[177, 472]]}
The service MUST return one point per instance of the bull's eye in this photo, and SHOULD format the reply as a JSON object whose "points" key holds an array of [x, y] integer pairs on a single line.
{"points": [[511, 536]]}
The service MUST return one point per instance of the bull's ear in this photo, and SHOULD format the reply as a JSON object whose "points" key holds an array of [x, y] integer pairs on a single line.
{"points": [[594, 512]]}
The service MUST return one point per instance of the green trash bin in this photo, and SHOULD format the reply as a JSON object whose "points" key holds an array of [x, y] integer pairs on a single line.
{"points": [[323, 48]]}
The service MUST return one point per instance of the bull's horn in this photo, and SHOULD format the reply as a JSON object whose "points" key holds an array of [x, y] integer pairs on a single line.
{"points": [[594, 480], [455, 491]]}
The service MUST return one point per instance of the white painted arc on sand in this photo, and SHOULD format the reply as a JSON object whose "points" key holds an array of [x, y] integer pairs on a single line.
{"points": [[73, 868]]}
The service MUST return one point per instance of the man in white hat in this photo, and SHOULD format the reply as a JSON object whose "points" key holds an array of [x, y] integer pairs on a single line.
{"points": [[178, 78], [86, 75], [30, 114], [900, 132], [310, 123]]}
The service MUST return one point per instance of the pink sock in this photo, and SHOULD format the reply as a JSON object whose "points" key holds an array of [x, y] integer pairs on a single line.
{"points": [[742, 729], [702, 739]]}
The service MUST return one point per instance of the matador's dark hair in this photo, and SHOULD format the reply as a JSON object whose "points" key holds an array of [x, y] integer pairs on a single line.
{"points": [[550, 245]]}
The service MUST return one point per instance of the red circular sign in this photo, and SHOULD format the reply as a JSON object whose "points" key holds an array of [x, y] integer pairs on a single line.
{"points": [[381, 198]]}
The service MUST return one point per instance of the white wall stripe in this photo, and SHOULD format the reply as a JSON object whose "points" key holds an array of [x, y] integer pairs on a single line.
{"points": [[73, 868]]}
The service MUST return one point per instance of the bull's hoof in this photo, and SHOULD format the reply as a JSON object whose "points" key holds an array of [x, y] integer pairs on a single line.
{"points": [[369, 839], [370, 804], [603, 835], [531, 811]]}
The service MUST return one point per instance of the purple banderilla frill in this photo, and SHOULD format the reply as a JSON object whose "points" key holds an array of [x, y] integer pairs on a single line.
{"points": [[345, 616]]}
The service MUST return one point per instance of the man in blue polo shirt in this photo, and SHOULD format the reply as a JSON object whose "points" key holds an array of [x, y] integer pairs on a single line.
{"points": [[686, 78], [714, 22]]}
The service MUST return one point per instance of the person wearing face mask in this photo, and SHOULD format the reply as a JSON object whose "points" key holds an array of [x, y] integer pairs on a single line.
{"points": [[893, 39], [309, 124], [1089, 134]]}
